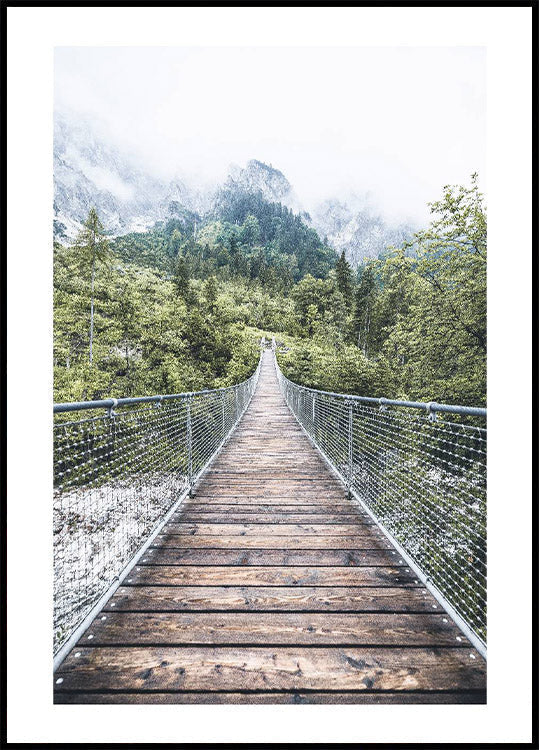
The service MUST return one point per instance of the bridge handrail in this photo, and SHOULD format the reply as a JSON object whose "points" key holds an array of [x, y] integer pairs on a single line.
{"points": [[118, 477], [428, 406], [421, 479], [112, 403]]}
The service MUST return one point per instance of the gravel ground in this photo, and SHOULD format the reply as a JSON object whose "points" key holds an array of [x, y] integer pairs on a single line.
{"points": [[97, 530]]}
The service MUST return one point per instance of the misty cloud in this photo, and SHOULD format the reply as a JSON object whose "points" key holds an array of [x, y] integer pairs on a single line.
{"points": [[394, 123]]}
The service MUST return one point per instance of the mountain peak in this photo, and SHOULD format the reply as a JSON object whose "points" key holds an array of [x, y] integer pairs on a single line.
{"points": [[90, 171], [257, 176]]}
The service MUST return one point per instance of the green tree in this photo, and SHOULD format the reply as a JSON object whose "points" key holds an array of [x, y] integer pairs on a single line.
{"points": [[250, 231], [438, 345], [174, 243], [92, 248], [343, 273], [128, 316], [392, 302], [181, 278], [363, 304], [452, 256], [210, 293]]}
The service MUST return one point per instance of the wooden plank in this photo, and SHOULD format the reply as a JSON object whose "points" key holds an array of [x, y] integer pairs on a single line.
{"points": [[273, 628], [367, 541], [267, 529], [258, 498], [282, 509], [197, 517], [270, 464], [258, 575], [302, 486], [296, 668], [271, 698], [181, 556], [282, 598]]}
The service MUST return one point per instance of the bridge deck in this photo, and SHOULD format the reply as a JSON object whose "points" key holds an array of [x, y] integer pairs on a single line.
{"points": [[270, 586]]}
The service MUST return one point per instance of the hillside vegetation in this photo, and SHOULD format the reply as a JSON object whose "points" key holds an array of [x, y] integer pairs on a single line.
{"points": [[181, 306]]}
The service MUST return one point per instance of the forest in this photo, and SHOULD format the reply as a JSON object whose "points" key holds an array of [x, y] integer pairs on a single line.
{"points": [[182, 306]]}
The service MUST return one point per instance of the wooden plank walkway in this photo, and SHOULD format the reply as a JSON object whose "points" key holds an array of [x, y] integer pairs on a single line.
{"points": [[270, 586]]}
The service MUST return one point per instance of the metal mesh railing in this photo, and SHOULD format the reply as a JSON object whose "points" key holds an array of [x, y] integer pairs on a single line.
{"points": [[119, 466], [420, 469]]}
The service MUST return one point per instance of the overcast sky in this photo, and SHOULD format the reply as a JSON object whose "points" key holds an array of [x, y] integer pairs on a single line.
{"points": [[396, 122]]}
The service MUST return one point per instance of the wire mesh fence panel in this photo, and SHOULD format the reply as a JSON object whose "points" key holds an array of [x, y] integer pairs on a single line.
{"points": [[421, 471], [117, 473]]}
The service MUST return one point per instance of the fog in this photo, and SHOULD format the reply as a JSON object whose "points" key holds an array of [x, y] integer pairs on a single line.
{"points": [[397, 123]]}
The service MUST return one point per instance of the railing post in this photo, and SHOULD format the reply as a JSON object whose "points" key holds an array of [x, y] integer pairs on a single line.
{"points": [[189, 446], [314, 417], [350, 446], [110, 411], [223, 413]]}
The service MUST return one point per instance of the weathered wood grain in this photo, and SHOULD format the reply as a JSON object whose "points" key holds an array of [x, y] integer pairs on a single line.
{"points": [[258, 498], [281, 598], [366, 541], [283, 509], [200, 518], [315, 558], [275, 628], [275, 697], [258, 575], [291, 668], [267, 529]]}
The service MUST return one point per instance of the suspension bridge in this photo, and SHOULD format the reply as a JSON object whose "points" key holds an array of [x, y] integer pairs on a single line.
{"points": [[268, 543]]}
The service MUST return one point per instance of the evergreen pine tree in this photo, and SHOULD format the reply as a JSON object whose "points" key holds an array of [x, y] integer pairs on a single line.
{"points": [[363, 303], [343, 273], [210, 292], [92, 248], [181, 278]]}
